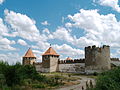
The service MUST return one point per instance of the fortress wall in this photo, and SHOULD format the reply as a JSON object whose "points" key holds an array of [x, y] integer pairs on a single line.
{"points": [[40, 68], [97, 58], [71, 61], [72, 68], [116, 63]]}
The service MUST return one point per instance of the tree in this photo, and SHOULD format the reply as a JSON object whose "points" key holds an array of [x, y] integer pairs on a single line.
{"points": [[12, 76], [109, 80]]}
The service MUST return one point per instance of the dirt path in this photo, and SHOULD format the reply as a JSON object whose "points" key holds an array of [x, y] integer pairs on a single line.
{"points": [[78, 86]]}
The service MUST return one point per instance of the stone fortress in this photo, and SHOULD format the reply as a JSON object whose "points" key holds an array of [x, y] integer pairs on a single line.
{"points": [[97, 59]]}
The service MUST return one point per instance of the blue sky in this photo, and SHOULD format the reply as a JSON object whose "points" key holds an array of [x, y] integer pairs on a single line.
{"points": [[69, 25]]}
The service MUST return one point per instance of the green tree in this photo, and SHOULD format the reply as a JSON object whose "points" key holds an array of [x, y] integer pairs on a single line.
{"points": [[12, 76], [3, 67], [109, 80], [28, 72]]}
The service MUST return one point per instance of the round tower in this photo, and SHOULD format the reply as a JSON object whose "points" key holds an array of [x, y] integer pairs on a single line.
{"points": [[97, 59]]}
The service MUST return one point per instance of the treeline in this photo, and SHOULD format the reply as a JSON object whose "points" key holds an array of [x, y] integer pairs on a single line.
{"points": [[15, 77]]}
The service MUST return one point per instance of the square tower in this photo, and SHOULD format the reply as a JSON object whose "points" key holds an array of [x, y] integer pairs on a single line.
{"points": [[28, 58], [50, 60]]}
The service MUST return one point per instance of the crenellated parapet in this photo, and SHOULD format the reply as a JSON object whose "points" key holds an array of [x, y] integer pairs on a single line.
{"points": [[71, 61], [38, 63], [99, 49], [115, 59]]}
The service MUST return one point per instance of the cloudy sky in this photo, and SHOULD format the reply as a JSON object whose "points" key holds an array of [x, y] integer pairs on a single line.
{"points": [[69, 25]]}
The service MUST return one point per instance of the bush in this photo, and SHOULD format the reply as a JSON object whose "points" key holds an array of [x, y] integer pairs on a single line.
{"points": [[95, 73], [109, 80], [14, 75], [40, 85]]}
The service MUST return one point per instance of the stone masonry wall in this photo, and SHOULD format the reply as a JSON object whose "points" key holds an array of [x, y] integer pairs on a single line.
{"points": [[28, 61], [97, 59], [72, 68], [71, 61]]}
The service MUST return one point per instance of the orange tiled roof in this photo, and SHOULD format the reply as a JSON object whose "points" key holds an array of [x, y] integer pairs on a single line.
{"points": [[29, 53], [50, 51], [68, 58]]}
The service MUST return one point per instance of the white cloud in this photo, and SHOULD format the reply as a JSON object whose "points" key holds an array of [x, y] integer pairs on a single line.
{"points": [[22, 25], [38, 54], [46, 30], [45, 23], [41, 45], [110, 3], [62, 34], [5, 44], [22, 42], [37, 51], [3, 28], [98, 29], [66, 50], [68, 25], [11, 58], [1, 1]]}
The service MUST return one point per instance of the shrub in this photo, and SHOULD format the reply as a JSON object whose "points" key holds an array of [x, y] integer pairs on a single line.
{"points": [[95, 73], [17, 74], [40, 85], [109, 80], [15, 77]]}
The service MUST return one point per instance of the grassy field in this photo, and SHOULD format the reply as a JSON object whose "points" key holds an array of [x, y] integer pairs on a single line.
{"points": [[67, 79]]}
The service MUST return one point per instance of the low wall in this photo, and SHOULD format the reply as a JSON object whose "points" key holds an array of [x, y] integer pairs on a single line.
{"points": [[39, 68], [72, 68], [71, 61], [116, 63]]}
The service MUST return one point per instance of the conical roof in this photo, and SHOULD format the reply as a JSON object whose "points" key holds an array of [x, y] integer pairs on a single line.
{"points": [[51, 51], [68, 58], [29, 53]]}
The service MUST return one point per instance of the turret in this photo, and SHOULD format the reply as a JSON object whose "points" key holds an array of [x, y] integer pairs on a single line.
{"points": [[29, 58]]}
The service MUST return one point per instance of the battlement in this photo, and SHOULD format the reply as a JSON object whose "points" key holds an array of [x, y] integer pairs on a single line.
{"points": [[114, 59], [72, 61], [99, 49], [94, 47], [38, 63]]}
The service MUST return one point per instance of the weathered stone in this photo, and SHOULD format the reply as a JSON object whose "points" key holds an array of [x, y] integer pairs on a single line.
{"points": [[97, 59]]}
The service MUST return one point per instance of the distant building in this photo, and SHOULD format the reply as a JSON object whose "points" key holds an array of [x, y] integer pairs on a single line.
{"points": [[97, 59], [68, 58], [29, 58]]}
